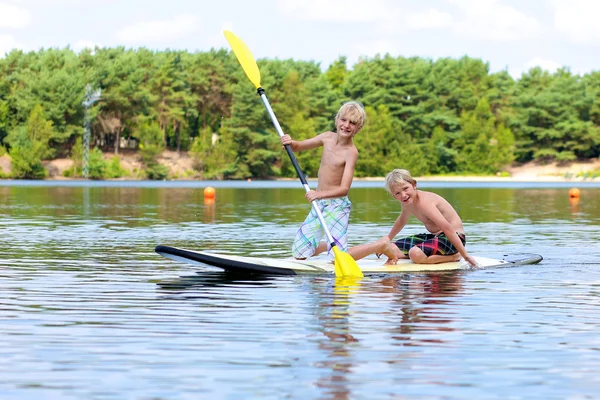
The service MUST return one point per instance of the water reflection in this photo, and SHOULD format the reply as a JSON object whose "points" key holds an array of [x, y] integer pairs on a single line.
{"points": [[422, 313], [209, 210], [406, 311], [333, 316], [211, 280], [574, 202]]}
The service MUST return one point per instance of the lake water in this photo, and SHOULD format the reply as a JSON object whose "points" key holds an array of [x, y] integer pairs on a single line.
{"points": [[89, 311]]}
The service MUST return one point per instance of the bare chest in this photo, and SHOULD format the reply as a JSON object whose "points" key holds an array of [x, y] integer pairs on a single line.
{"points": [[423, 218], [430, 225], [333, 157]]}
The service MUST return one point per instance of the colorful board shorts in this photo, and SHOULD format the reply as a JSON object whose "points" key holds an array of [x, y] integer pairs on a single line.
{"points": [[337, 214], [430, 244]]}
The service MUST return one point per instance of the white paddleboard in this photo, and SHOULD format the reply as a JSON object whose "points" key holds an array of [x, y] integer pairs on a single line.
{"points": [[290, 266]]}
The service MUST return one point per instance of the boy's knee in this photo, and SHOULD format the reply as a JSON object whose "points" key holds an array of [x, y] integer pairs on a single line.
{"points": [[302, 254], [416, 255]]}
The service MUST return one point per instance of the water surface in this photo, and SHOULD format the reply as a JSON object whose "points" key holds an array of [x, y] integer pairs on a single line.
{"points": [[88, 310]]}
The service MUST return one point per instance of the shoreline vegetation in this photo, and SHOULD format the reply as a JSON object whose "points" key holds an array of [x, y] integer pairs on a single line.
{"points": [[437, 118], [180, 166]]}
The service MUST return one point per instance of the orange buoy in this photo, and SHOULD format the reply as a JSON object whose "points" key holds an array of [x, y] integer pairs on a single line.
{"points": [[574, 193], [209, 193]]}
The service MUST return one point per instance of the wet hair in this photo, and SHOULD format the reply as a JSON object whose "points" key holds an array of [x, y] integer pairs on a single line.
{"points": [[355, 112], [398, 177]]}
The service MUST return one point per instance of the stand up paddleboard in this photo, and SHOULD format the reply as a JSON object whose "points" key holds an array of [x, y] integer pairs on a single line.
{"points": [[289, 266]]}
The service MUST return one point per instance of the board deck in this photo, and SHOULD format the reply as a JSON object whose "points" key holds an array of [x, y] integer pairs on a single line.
{"points": [[290, 266]]}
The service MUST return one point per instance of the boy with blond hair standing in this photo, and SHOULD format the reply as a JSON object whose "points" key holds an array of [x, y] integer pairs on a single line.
{"points": [[335, 176]]}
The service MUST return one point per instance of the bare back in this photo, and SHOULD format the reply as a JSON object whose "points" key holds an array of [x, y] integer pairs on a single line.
{"points": [[424, 211], [337, 162]]}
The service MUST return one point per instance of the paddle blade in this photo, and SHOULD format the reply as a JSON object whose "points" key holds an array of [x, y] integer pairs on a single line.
{"points": [[245, 58], [345, 265]]}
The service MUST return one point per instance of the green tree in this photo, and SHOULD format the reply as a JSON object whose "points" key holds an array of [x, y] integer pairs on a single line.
{"points": [[336, 74], [553, 117], [427, 114], [373, 142], [322, 103], [303, 128], [440, 157], [482, 146], [151, 145], [216, 156], [26, 160], [172, 97], [211, 77], [54, 80], [123, 75], [29, 145], [4, 120], [77, 158], [97, 164]]}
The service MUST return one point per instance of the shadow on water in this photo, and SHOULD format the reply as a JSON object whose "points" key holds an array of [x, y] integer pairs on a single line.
{"points": [[214, 279]]}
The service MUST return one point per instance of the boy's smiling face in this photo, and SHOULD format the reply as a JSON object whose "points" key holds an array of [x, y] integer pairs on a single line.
{"points": [[404, 192], [345, 126]]}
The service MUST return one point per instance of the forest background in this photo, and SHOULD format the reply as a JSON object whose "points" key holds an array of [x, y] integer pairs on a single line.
{"points": [[433, 117]]}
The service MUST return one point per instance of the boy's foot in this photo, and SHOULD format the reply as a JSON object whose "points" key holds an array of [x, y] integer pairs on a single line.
{"points": [[392, 251]]}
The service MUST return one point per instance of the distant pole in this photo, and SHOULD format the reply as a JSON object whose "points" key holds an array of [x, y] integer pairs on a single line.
{"points": [[91, 96]]}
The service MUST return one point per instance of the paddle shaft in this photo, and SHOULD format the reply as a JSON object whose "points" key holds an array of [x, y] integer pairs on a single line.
{"points": [[263, 97]]}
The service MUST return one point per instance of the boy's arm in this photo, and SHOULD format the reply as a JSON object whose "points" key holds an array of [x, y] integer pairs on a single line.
{"points": [[303, 144], [431, 211], [399, 224]]}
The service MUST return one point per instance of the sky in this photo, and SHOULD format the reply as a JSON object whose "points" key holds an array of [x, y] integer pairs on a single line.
{"points": [[512, 35]]}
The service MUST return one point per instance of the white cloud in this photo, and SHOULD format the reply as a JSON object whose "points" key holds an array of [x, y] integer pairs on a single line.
{"points": [[548, 65], [158, 31], [493, 20], [7, 43], [339, 10], [14, 17], [578, 20], [429, 19]]}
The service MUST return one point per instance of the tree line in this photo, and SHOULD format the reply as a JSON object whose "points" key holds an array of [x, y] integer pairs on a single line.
{"points": [[444, 116]]}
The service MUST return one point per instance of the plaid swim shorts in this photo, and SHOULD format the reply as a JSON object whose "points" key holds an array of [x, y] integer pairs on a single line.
{"points": [[336, 213], [430, 243]]}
